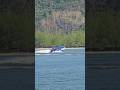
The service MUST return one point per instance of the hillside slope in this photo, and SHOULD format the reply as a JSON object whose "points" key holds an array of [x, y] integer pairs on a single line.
{"points": [[59, 22], [59, 15]]}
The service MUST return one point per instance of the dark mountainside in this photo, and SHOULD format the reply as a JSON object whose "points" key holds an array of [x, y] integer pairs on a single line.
{"points": [[102, 25], [16, 25]]}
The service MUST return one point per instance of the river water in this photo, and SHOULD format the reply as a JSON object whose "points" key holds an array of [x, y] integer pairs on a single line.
{"points": [[65, 71]]}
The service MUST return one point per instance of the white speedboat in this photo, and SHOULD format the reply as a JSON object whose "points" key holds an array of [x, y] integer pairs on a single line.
{"points": [[56, 49], [42, 51], [47, 51]]}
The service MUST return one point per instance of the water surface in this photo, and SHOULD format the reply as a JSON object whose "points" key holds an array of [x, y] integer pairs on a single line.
{"points": [[65, 71], [102, 70]]}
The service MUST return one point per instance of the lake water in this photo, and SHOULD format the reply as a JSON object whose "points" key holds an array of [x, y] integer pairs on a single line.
{"points": [[102, 70], [65, 71]]}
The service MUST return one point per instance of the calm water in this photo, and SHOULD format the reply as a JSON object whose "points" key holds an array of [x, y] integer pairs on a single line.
{"points": [[102, 71], [65, 71]]}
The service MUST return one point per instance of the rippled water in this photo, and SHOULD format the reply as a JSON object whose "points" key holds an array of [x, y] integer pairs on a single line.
{"points": [[65, 71]]}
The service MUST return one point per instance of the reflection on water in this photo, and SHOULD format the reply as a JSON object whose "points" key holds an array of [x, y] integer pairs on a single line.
{"points": [[65, 71]]}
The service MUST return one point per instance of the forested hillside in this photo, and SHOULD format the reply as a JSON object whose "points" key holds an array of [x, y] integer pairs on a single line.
{"points": [[16, 25], [60, 20], [102, 25]]}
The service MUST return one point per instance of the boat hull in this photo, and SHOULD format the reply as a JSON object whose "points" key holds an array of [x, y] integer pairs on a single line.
{"points": [[47, 51], [43, 51]]}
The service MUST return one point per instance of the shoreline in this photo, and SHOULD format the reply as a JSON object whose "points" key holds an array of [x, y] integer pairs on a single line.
{"points": [[105, 51], [65, 48], [33, 53]]}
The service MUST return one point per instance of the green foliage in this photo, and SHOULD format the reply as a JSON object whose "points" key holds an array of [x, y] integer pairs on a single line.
{"points": [[66, 30], [73, 39]]}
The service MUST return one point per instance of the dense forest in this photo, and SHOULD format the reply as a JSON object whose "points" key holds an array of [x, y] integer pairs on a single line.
{"points": [[17, 26], [59, 22], [102, 25]]}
